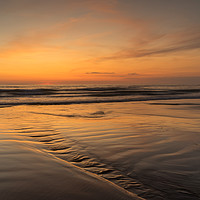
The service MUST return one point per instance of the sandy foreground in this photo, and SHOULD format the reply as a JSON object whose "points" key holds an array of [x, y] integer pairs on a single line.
{"points": [[149, 149], [26, 174]]}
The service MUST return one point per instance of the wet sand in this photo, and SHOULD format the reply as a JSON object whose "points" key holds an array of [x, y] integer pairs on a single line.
{"points": [[150, 149], [29, 174]]}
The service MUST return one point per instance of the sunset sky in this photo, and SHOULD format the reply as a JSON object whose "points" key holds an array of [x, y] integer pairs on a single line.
{"points": [[100, 41]]}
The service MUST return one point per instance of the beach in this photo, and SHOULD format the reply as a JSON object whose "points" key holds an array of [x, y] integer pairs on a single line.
{"points": [[29, 174], [133, 143], [100, 100]]}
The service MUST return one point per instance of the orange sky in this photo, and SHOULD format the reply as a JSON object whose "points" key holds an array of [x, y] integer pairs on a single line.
{"points": [[108, 41]]}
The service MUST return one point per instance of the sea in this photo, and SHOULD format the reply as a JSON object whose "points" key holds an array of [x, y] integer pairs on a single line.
{"points": [[143, 138]]}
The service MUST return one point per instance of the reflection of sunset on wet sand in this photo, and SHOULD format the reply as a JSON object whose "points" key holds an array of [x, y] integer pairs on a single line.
{"points": [[143, 139]]}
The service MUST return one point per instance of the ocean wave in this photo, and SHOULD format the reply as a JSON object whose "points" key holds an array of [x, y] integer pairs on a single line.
{"points": [[97, 91], [65, 95], [88, 101], [25, 92]]}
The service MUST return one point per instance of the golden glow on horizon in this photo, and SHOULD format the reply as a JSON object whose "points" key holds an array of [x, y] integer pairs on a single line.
{"points": [[98, 41]]}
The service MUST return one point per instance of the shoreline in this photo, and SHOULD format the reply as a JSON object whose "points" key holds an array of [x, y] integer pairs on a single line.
{"points": [[29, 174]]}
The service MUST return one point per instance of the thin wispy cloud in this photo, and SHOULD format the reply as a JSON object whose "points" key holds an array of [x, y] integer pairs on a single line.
{"points": [[116, 75], [168, 43], [133, 74], [35, 40], [100, 73]]}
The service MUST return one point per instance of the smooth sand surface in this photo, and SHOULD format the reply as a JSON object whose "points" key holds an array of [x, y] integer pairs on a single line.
{"points": [[27, 174]]}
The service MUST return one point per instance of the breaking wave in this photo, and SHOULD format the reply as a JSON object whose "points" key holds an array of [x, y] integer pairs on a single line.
{"points": [[65, 95]]}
